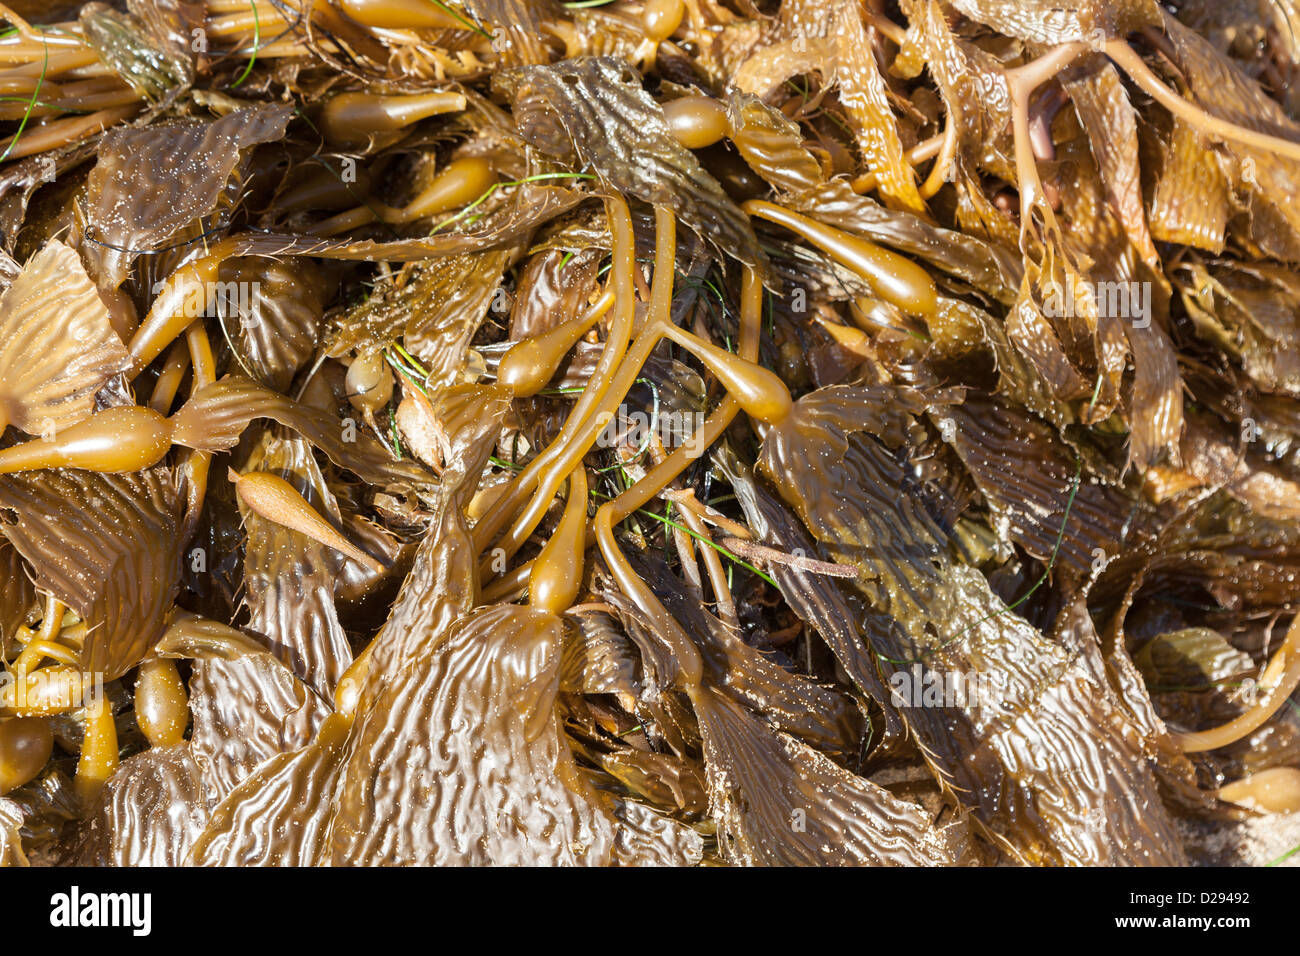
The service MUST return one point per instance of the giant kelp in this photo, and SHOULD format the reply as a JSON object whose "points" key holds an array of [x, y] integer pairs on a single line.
{"points": [[645, 433]]}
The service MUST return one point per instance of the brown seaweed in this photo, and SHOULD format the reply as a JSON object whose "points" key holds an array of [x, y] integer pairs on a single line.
{"points": [[665, 433]]}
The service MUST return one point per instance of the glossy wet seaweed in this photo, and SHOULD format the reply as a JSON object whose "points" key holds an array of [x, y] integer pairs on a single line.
{"points": [[510, 432]]}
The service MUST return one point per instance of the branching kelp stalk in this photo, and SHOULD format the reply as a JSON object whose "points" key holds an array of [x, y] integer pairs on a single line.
{"points": [[655, 433]]}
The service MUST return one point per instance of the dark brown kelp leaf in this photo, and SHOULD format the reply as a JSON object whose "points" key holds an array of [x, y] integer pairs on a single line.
{"points": [[1109, 662], [274, 317], [552, 289], [1045, 756], [600, 659], [248, 710], [57, 344], [649, 838], [48, 805], [821, 717], [217, 414], [245, 712], [470, 715], [778, 802], [604, 31], [149, 813], [17, 593], [1250, 311], [594, 111], [1031, 334], [277, 816], [172, 24], [1124, 310], [188, 165], [1246, 562], [307, 782], [667, 719], [816, 599], [488, 676], [1157, 399], [442, 582], [663, 779], [11, 841], [994, 439], [1212, 455], [20, 181], [107, 546]]}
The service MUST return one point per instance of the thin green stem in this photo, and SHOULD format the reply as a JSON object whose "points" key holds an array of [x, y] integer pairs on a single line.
{"points": [[1051, 563], [31, 105], [257, 41], [495, 186], [469, 25], [701, 538]]}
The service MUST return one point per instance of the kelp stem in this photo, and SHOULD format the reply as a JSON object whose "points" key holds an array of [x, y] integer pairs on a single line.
{"points": [[1281, 678], [663, 473], [196, 467], [620, 332], [690, 666], [1021, 83], [65, 131], [938, 172], [169, 379], [658, 477], [894, 278], [1132, 64], [726, 604], [185, 296]]}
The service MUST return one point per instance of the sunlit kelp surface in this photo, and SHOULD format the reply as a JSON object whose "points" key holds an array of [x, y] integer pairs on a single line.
{"points": [[675, 432]]}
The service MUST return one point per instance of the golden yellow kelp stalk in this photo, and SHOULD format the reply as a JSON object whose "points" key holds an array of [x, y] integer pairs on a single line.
{"points": [[656, 432]]}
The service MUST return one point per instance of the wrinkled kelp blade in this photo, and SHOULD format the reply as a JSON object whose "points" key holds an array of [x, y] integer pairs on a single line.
{"points": [[1042, 754], [57, 344], [107, 546]]}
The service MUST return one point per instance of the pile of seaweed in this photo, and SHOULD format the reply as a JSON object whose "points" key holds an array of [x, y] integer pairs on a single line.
{"points": [[671, 432]]}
